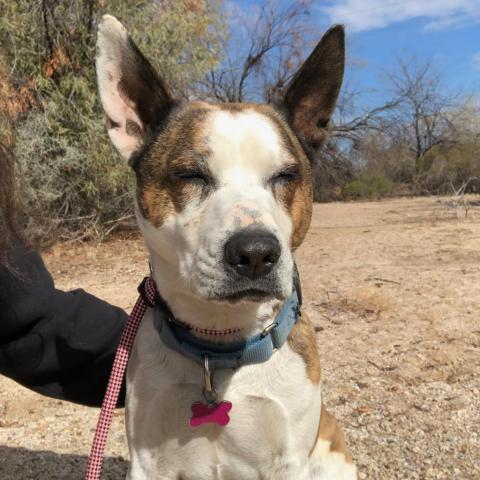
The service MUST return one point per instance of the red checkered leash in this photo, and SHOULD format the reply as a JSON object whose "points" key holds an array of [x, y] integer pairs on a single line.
{"points": [[147, 298]]}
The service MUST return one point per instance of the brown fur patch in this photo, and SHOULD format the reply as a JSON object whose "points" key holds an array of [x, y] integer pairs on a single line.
{"points": [[178, 147], [302, 340], [329, 430], [155, 204]]}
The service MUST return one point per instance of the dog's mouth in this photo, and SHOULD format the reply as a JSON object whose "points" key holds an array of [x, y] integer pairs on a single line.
{"points": [[247, 295]]}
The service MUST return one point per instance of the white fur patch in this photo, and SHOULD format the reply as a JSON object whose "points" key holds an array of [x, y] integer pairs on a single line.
{"points": [[245, 146]]}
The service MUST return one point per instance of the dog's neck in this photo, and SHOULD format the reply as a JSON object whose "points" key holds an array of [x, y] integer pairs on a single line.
{"points": [[244, 318]]}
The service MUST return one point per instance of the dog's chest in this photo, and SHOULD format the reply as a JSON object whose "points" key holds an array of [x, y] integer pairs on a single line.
{"points": [[273, 421]]}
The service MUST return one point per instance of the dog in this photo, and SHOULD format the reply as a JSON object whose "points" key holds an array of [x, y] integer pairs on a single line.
{"points": [[223, 199]]}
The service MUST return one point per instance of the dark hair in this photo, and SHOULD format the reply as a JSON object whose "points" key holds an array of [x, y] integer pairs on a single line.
{"points": [[9, 231]]}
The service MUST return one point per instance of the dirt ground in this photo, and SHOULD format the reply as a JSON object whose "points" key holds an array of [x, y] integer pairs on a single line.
{"points": [[394, 289]]}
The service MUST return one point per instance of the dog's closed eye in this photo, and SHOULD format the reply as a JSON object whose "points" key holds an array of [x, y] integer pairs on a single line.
{"points": [[194, 177], [287, 175]]}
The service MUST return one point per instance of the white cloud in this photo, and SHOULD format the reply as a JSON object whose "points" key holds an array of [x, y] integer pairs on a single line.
{"points": [[361, 15], [476, 61]]}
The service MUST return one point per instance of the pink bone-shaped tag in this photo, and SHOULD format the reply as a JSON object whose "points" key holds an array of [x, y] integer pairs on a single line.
{"points": [[217, 413]]}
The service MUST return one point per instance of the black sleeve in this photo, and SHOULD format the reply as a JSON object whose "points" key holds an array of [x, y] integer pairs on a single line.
{"points": [[60, 344]]}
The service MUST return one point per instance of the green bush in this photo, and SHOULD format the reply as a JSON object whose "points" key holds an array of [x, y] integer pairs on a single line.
{"points": [[369, 185]]}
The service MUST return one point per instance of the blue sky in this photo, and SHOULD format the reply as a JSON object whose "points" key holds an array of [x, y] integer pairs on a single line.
{"points": [[379, 31]]}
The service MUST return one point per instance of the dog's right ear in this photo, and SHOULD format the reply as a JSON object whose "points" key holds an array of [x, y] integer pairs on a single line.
{"points": [[135, 99]]}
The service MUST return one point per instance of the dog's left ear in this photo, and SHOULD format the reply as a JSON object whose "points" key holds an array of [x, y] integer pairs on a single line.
{"points": [[135, 99], [311, 96]]}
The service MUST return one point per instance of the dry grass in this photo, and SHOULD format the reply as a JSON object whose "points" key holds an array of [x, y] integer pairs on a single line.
{"points": [[365, 303]]}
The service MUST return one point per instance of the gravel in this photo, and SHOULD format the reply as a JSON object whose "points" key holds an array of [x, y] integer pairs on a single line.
{"points": [[393, 288]]}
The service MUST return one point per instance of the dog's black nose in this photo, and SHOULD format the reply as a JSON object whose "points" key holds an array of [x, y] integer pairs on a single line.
{"points": [[252, 253]]}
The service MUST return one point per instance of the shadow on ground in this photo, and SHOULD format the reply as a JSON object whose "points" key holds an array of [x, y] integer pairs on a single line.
{"points": [[23, 464]]}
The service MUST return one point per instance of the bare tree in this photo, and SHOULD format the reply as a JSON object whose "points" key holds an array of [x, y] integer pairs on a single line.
{"points": [[422, 116], [409, 138], [259, 62], [352, 125], [350, 132]]}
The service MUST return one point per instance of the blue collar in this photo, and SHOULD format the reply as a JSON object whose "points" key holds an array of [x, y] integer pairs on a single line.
{"points": [[256, 349]]}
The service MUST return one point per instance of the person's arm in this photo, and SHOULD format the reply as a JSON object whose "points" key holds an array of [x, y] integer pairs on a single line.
{"points": [[60, 344]]}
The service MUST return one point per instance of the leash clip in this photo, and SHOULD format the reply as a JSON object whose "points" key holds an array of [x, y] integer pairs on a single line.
{"points": [[209, 393]]}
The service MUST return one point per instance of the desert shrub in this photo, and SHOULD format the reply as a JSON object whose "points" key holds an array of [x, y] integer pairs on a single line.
{"points": [[390, 156], [71, 187], [331, 170], [74, 184], [329, 177], [452, 166], [369, 185]]}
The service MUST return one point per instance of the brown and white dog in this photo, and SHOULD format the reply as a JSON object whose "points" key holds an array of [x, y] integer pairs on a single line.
{"points": [[223, 199]]}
